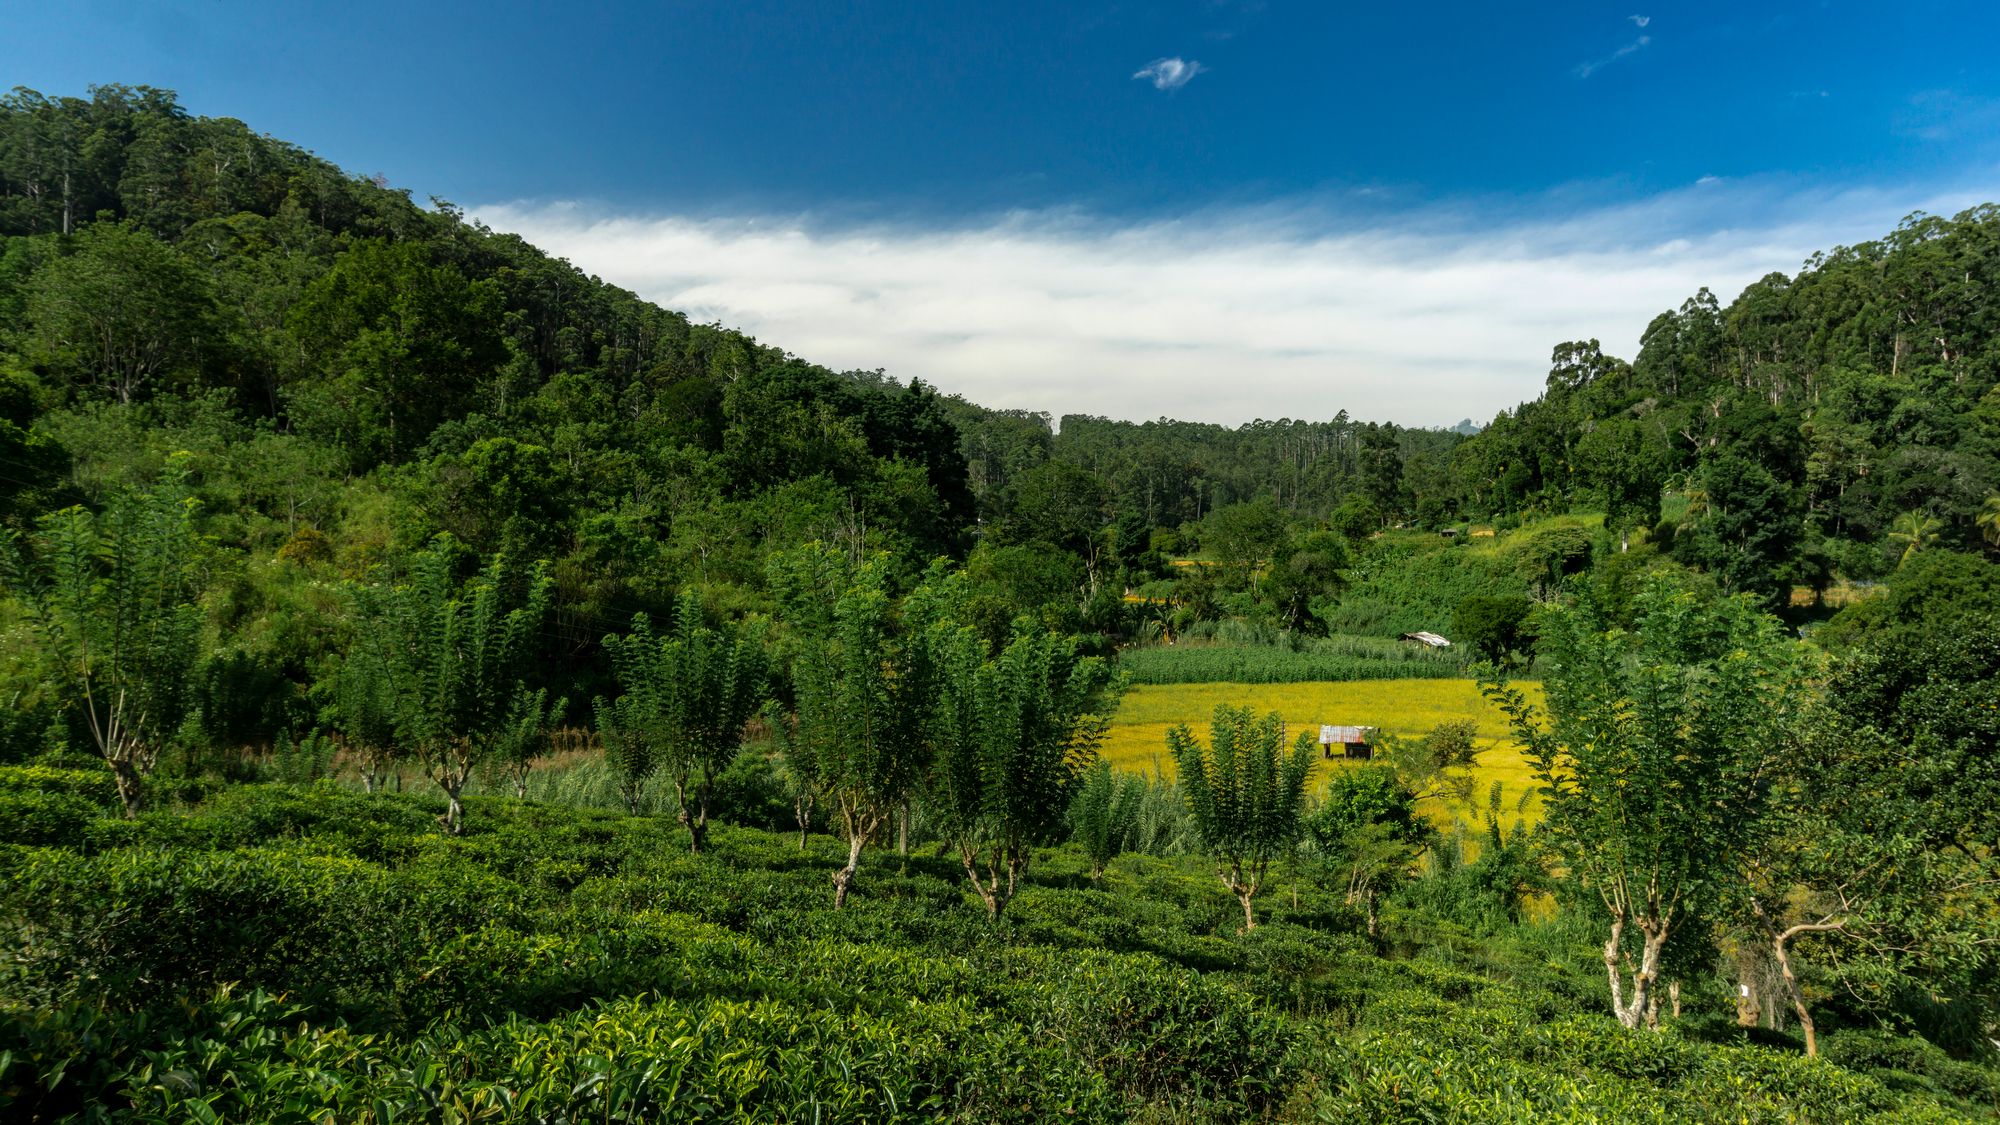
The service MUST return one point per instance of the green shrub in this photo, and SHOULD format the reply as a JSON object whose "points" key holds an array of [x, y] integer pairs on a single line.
{"points": [[50, 820], [93, 785]]}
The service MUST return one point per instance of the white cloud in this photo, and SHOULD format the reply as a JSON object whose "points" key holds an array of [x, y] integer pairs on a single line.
{"points": [[1223, 315], [1170, 74], [1585, 70], [1640, 21]]}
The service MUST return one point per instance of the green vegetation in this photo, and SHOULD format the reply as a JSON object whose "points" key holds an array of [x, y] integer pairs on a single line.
{"points": [[552, 963], [1297, 660], [343, 765], [1245, 793]]}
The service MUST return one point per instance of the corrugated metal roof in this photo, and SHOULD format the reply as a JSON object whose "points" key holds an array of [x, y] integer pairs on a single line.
{"points": [[1331, 734]]}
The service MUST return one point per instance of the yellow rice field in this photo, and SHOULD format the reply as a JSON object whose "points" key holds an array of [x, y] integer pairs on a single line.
{"points": [[1138, 738]]}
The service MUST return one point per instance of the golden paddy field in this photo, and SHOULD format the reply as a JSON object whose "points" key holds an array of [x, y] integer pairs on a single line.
{"points": [[1137, 741]]}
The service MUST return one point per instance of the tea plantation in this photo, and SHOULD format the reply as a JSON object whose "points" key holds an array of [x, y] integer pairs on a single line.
{"points": [[316, 954]]}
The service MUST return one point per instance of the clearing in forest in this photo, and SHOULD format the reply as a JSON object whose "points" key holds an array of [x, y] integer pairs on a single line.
{"points": [[1138, 738]]}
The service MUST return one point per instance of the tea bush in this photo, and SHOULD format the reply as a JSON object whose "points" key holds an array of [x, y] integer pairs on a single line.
{"points": [[314, 954]]}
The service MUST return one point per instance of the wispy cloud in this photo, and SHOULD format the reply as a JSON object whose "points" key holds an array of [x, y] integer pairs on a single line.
{"points": [[1585, 70], [1170, 73], [1640, 21], [1948, 115], [1222, 315]]}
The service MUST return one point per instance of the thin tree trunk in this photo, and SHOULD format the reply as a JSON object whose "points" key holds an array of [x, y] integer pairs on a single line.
{"points": [[694, 820], [1645, 1004], [1779, 947], [1611, 970], [1243, 895], [454, 813], [802, 809], [843, 879], [988, 888], [131, 786]]}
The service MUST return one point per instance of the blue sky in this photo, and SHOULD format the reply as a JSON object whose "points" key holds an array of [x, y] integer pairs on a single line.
{"points": [[1220, 208]]}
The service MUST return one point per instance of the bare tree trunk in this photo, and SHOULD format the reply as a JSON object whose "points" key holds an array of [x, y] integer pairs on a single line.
{"points": [[988, 888], [1645, 1004], [802, 808], [843, 879], [131, 786], [1243, 895], [903, 829], [1369, 897], [454, 812], [1779, 947], [694, 819], [1674, 993], [1611, 970]]}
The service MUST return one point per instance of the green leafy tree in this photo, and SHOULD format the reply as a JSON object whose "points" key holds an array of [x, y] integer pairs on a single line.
{"points": [[458, 653], [630, 748], [860, 693], [1649, 754], [397, 343], [1745, 528], [525, 737], [686, 697], [125, 312], [365, 709], [110, 596], [798, 771], [1366, 832], [1874, 859], [1010, 739], [1246, 794], [1062, 505], [1309, 569], [1356, 519], [1492, 625], [1242, 536]]}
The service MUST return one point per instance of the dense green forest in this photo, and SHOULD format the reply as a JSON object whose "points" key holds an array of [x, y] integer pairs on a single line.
{"points": [[441, 686]]}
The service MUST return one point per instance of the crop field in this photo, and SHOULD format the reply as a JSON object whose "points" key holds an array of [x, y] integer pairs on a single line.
{"points": [[1409, 707], [1341, 658]]}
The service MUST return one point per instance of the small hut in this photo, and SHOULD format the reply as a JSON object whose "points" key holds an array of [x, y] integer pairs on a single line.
{"points": [[1353, 742]]}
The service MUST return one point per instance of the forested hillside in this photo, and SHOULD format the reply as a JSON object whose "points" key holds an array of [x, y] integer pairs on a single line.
{"points": [[441, 686]]}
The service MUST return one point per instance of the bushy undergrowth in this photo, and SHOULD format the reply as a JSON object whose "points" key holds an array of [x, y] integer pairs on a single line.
{"points": [[314, 954], [1405, 583]]}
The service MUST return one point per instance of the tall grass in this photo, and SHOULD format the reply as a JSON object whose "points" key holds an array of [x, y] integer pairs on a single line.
{"points": [[1229, 663], [1162, 825], [1290, 659]]}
